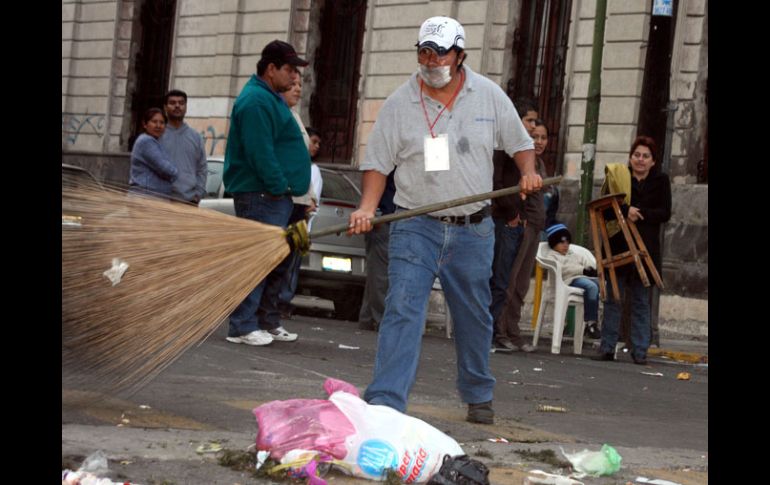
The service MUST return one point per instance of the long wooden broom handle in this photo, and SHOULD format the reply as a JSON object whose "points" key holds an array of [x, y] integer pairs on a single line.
{"points": [[396, 216]]}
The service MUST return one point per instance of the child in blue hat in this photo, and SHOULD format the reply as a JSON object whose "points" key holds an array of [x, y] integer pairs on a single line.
{"points": [[577, 271]]}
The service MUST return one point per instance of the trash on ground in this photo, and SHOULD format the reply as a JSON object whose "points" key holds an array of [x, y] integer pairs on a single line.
{"points": [[348, 347], [594, 463], [541, 477], [546, 408], [498, 440], [211, 447], [655, 481], [88, 473], [115, 273], [538, 369], [655, 374], [347, 433], [683, 376], [144, 406]]}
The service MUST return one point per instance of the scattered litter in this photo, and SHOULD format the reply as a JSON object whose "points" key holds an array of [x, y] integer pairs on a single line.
{"points": [[261, 457], [316, 328], [545, 408], [538, 369], [125, 421], [71, 221], [348, 347], [126, 462], [498, 440], [655, 481], [515, 371], [115, 273], [655, 374], [594, 463], [211, 447], [683, 376], [539, 476], [537, 384], [89, 472], [144, 406]]}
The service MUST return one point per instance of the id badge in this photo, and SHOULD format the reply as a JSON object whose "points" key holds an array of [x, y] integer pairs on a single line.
{"points": [[436, 152]]}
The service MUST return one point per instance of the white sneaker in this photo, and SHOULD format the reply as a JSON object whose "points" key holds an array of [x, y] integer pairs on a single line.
{"points": [[282, 335], [257, 337]]}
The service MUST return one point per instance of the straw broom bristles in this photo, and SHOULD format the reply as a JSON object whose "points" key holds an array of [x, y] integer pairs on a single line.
{"points": [[188, 269]]}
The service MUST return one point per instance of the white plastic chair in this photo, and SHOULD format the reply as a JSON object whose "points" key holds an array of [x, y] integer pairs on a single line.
{"points": [[564, 296]]}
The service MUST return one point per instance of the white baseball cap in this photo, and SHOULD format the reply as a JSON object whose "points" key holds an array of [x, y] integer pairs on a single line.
{"points": [[441, 34]]}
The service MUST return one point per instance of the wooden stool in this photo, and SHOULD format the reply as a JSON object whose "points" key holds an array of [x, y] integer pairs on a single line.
{"points": [[636, 248]]}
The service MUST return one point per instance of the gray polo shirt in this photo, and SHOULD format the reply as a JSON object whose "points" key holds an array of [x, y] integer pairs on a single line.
{"points": [[482, 119]]}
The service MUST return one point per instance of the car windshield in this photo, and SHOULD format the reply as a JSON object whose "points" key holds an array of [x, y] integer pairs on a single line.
{"points": [[337, 187]]}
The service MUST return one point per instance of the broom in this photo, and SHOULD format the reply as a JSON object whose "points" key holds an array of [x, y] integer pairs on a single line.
{"points": [[144, 279]]}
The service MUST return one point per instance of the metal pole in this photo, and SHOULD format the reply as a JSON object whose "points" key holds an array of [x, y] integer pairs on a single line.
{"points": [[396, 216], [592, 121]]}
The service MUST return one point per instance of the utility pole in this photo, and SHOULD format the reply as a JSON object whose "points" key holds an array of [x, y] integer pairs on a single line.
{"points": [[592, 121]]}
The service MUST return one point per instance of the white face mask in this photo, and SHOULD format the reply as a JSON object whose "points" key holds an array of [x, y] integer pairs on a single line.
{"points": [[438, 77]]}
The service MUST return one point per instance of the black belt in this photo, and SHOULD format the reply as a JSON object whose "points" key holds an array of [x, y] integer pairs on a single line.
{"points": [[474, 218]]}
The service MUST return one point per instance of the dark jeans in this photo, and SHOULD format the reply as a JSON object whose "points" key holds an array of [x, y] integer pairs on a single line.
{"points": [[507, 240], [376, 288], [289, 284], [259, 310], [628, 280]]}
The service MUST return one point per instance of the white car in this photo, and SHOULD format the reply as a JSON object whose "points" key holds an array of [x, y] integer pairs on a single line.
{"points": [[335, 267]]}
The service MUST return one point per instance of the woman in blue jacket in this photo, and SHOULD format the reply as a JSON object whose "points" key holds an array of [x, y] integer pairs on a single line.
{"points": [[152, 172]]}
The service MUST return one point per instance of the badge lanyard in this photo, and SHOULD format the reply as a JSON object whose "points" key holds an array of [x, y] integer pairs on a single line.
{"points": [[425, 111]]}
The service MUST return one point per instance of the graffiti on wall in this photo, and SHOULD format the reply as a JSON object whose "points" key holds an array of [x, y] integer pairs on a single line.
{"points": [[213, 138], [76, 123]]}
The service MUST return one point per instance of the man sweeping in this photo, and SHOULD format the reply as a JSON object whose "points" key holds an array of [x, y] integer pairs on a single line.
{"points": [[439, 130], [266, 163]]}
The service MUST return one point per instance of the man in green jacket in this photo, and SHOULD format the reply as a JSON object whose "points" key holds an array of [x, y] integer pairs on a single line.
{"points": [[266, 163]]}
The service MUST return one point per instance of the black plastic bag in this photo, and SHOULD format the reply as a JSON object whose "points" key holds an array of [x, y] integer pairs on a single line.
{"points": [[461, 470]]}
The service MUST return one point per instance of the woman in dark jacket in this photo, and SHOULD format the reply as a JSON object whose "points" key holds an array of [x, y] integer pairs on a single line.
{"points": [[649, 208]]}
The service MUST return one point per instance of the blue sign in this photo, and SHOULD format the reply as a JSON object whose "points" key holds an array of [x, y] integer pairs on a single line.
{"points": [[663, 7]]}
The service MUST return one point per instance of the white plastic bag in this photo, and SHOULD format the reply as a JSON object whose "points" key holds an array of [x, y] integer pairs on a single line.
{"points": [[386, 438]]}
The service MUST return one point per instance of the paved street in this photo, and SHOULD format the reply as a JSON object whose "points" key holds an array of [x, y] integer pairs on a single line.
{"points": [[658, 424]]}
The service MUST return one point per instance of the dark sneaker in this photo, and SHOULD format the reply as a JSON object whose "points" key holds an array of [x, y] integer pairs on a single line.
{"points": [[481, 413], [370, 325], [639, 360], [592, 331], [603, 356]]}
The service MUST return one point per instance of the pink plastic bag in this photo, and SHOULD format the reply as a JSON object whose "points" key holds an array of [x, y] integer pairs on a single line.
{"points": [[305, 424]]}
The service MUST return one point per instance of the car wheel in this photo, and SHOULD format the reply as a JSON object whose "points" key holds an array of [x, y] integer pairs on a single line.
{"points": [[347, 304]]}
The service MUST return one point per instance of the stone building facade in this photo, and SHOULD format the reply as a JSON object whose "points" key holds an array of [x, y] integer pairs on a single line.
{"points": [[114, 58]]}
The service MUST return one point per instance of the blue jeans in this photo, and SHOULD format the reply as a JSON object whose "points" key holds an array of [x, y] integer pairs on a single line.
{"points": [[461, 256], [640, 314], [590, 297], [507, 241], [259, 310]]}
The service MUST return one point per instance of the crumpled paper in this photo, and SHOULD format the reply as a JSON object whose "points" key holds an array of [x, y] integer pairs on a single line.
{"points": [[115, 273]]}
